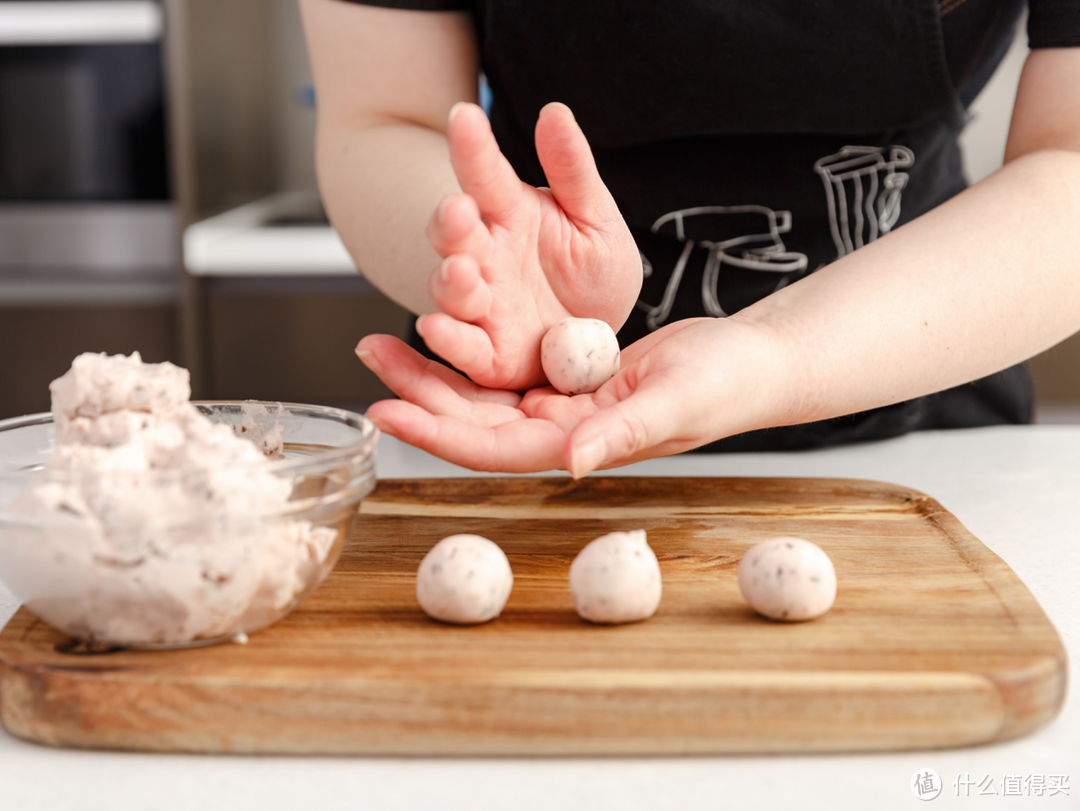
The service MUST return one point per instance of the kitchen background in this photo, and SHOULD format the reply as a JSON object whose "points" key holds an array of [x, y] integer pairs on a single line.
{"points": [[220, 258]]}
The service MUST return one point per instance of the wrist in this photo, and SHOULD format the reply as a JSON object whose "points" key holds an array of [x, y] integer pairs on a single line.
{"points": [[759, 382]]}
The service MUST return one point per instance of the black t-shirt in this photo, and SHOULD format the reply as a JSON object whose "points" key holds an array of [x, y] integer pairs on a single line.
{"points": [[977, 32], [748, 145]]}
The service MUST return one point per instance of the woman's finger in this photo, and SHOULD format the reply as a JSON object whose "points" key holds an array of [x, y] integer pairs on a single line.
{"points": [[481, 168], [459, 289], [432, 385], [644, 424], [456, 228], [516, 446], [466, 346], [571, 170], [469, 348]]}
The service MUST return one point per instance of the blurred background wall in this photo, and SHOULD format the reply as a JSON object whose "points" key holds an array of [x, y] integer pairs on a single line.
{"points": [[247, 286], [270, 307]]}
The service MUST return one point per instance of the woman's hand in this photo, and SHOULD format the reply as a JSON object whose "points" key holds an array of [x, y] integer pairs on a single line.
{"points": [[687, 384], [517, 259]]}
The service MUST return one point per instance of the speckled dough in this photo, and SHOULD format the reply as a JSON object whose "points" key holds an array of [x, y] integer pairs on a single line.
{"points": [[616, 578], [464, 579], [787, 579], [579, 355], [156, 525]]}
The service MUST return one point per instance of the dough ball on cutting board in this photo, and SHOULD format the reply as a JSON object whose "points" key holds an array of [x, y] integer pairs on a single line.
{"points": [[464, 579], [616, 579], [579, 355], [787, 579]]}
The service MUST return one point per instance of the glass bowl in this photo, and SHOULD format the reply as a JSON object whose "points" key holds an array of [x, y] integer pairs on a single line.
{"points": [[176, 558]]}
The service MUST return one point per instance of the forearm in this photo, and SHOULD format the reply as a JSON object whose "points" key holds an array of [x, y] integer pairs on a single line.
{"points": [[385, 81], [380, 185], [984, 281]]}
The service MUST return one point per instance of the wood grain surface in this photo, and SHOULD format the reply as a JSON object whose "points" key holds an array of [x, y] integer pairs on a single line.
{"points": [[933, 640]]}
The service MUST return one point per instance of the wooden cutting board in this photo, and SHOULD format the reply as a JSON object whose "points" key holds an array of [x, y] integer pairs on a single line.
{"points": [[933, 640]]}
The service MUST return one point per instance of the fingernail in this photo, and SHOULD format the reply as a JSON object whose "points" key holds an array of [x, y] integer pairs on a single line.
{"points": [[440, 212], [587, 456], [455, 110], [420, 326], [565, 107], [368, 358], [444, 270]]}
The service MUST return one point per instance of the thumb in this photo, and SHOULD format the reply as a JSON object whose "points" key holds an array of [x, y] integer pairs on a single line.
{"points": [[642, 425], [570, 169]]}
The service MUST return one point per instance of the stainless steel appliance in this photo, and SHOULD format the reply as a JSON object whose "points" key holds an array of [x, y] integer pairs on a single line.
{"points": [[86, 210]]}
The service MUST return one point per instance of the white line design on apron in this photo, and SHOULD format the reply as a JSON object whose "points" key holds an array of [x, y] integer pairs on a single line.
{"points": [[863, 187], [862, 190], [761, 250]]}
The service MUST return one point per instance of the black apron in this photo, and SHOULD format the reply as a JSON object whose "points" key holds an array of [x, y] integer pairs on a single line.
{"points": [[748, 145]]}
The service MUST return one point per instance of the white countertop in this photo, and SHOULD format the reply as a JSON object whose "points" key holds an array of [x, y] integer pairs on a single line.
{"points": [[1017, 489], [248, 242]]}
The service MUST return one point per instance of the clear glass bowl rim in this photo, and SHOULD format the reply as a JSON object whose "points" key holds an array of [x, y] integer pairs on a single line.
{"points": [[326, 458]]}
